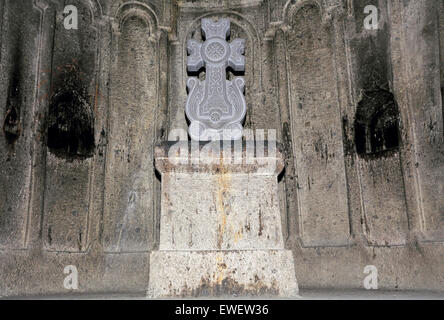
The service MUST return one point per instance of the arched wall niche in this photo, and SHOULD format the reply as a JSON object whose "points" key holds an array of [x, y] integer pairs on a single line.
{"points": [[129, 218], [293, 6], [314, 118], [240, 27], [140, 10], [72, 103], [374, 128], [22, 32], [377, 232]]}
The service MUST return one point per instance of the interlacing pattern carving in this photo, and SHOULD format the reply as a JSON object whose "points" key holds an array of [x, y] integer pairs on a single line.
{"points": [[215, 106]]}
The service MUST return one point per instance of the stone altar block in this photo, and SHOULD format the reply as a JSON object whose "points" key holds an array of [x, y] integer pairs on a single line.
{"points": [[220, 226]]}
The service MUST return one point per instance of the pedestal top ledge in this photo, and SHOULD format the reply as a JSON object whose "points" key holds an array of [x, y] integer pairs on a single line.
{"points": [[247, 157]]}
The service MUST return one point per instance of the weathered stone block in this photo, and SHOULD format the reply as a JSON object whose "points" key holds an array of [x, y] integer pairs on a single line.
{"points": [[222, 273], [220, 228]]}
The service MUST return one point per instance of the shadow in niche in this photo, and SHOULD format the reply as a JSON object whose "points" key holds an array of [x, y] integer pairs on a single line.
{"points": [[442, 97], [377, 124], [11, 122], [281, 175], [70, 120], [157, 174]]}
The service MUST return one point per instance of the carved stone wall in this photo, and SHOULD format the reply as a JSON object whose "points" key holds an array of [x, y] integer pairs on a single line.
{"points": [[129, 216], [316, 129], [359, 114]]}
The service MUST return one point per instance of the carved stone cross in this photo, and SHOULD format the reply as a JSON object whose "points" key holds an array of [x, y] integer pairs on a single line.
{"points": [[216, 106]]}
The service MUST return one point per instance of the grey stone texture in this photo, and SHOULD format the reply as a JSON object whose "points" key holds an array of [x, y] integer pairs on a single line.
{"points": [[220, 225], [225, 205], [227, 273], [359, 114]]}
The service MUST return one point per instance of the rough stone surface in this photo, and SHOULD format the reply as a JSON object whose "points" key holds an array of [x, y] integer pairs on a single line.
{"points": [[220, 225], [220, 211], [260, 273], [310, 69]]}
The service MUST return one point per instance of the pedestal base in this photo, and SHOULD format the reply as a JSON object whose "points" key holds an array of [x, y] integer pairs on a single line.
{"points": [[220, 225], [242, 273]]}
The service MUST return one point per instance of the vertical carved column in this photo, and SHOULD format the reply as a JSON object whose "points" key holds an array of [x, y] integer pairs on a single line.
{"points": [[417, 84], [290, 209], [129, 213], [73, 104], [21, 119], [316, 130], [338, 17]]}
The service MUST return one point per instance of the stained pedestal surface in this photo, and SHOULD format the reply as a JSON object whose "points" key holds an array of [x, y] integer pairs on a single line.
{"points": [[220, 227]]}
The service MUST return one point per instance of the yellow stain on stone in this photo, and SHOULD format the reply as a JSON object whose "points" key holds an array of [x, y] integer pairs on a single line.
{"points": [[221, 268], [237, 236], [224, 189]]}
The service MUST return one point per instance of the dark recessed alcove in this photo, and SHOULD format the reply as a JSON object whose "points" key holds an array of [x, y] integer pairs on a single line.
{"points": [[11, 125], [70, 124], [11, 122], [377, 123]]}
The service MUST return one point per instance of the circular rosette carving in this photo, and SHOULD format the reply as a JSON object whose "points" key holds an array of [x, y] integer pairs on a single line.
{"points": [[215, 50]]}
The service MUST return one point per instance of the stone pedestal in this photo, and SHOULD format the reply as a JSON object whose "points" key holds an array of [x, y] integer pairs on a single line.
{"points": [[220, 227]]}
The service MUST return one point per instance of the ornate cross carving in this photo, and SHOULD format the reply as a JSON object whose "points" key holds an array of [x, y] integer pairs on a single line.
{"points": [[216, 106]]}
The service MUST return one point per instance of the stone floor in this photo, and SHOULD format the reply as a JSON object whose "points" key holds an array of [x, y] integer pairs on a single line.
{"points": [[306, 294]]}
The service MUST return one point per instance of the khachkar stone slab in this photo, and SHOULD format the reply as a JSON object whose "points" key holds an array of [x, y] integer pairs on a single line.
{"points": [[220, 225], [216, 106]]}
